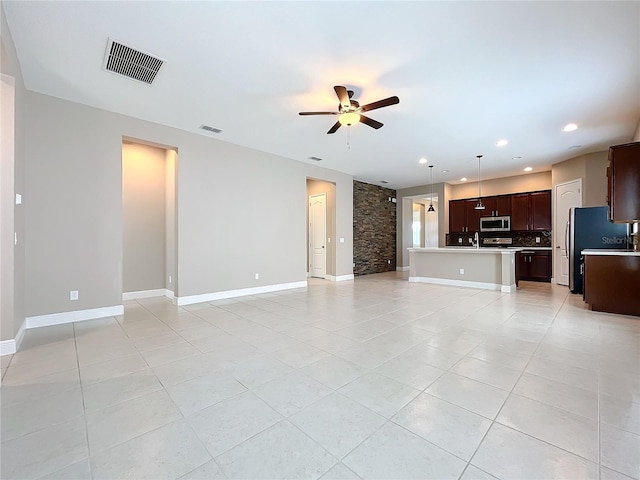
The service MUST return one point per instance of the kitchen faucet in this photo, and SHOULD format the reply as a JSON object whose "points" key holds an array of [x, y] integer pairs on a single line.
{"points": [[476, 240]]}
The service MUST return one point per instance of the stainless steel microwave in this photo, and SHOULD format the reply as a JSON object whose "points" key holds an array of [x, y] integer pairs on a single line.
{"points": [[495, 224]]}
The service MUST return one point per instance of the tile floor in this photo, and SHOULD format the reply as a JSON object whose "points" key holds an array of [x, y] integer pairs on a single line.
{"points": [[376, 378]]}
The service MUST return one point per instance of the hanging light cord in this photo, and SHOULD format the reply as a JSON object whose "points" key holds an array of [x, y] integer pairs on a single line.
{"points": [[479, 185]]}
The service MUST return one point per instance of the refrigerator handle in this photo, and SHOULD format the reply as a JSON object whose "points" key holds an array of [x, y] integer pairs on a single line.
{"points": [[566, 239]]}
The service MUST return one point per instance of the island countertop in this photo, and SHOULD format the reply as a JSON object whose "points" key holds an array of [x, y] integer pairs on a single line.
{"points": [[467, 249]]}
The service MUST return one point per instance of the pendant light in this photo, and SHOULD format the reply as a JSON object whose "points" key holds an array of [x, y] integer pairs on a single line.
{"points": [[431, 209], [479, 205]]}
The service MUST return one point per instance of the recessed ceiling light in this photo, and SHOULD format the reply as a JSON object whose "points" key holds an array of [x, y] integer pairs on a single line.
{"points": [[502, 143], [528, 169], [516, 158], [445, 171], [463, 179], [422, 161], [570, 127]]}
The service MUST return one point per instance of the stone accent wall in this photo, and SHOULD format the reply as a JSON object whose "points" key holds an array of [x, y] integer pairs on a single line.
{"points": [[374, 229]]}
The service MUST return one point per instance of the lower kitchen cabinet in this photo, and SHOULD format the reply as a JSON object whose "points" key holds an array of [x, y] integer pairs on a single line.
{"points": [[612, 283], [533, 265]]}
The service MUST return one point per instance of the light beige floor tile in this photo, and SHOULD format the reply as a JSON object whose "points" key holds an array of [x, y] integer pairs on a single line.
{"points": [[231, 422], [116, 424], [18, 390], [506, 453], [405, 370], [573, 399], [619, 450], [201, 392], [119, 389], [571, 432], [485, 372], [78, 471], [337, 423], [470, 394], [622, 414], [112, 368], [436, 357], [380, 394], [158, 341], [300, 355], [169, 354], [564, 373], [167, 452], [291, 393], [282, 451], [209, 471], [45, 451], [452, 428], [474, 473], [393, 452], [608, 474], [334, 372]]}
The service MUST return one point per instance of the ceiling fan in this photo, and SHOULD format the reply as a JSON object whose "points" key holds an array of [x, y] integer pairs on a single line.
{"points": [[350, 112]]}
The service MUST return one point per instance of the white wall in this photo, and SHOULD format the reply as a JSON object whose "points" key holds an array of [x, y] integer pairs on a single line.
{"points": [[224, 235]]}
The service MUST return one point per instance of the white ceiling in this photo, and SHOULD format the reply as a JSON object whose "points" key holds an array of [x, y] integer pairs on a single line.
{"points": [[467, 74]]}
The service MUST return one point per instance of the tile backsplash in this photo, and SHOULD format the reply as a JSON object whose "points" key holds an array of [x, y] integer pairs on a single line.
{"points": [[520, 239]]}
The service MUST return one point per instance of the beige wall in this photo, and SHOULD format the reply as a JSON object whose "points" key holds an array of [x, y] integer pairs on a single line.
{"points": [[503, 186], [75, 223], [12, 181], [315, 187], [170, 274], [144, 217], [592, 169]]}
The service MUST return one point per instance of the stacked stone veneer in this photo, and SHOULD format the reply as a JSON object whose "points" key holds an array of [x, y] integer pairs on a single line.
{"points": [[374, 229]]}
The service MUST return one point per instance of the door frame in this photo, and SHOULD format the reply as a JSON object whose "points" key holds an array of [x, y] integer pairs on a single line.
{"points": [[310, 235], [558, 236]]}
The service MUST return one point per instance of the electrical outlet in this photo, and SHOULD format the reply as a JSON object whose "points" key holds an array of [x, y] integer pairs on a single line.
{"points": [[341, 239], [257, 276], [471, 240], [169, 278], [459, 240], [462, 271], [537, 239], [388, 262], [73, 295]]}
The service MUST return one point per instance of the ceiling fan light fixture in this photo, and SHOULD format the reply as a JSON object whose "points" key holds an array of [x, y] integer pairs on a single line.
{"points": [[349, 118]]}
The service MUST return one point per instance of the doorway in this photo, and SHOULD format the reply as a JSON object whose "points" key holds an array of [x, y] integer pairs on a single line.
{"points": [[149, 250], [318, 235], [567, 195]]}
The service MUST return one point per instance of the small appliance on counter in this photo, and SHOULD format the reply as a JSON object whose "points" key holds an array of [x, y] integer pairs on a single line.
{"points": [[589, 228]]}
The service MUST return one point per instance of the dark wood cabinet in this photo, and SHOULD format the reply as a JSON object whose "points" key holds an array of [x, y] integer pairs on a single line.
{"points": [[463, 217], [533, 265], [531, 211], [612, 283], [623, 182], [497, 206]]}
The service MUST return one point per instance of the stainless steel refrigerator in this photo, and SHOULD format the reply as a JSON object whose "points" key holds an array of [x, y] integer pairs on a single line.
{"points": [[590, 228]]}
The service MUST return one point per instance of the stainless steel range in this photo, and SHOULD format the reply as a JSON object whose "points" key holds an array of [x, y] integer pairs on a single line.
{"points": [[497, 241]]}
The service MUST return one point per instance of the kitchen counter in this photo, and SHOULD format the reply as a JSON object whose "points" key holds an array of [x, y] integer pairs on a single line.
{"points": [[610, 252], [487, 268]]}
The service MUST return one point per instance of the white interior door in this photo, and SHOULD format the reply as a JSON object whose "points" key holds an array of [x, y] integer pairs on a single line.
{"points": [[318, 235], [567, 195]]}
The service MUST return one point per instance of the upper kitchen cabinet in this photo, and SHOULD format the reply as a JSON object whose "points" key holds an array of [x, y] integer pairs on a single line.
{"points": [[531, 211], [497, 206], [624, 183], [463, 217]]}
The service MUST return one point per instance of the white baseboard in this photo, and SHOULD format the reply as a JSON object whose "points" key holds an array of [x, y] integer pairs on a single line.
{"points": [[158, 292], [9, 347], [340, 278], [402, 269], [74, 316], [464, 283], [209, 297]]}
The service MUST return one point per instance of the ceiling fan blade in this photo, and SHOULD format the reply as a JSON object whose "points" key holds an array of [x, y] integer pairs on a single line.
{"points": [[371, 122], [334, 128], [318, 113], [343, 96], [380, 103]]}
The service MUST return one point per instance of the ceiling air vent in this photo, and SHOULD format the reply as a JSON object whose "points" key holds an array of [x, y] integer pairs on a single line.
{"points": [[315, 159], [131, 63], [210, 129]]}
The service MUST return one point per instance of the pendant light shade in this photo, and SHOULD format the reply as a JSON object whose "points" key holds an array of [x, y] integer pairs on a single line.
{"points": [[431, 209], [479, 205]]}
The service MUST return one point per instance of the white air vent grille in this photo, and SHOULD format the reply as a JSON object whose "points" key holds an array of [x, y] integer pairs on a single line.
{"points": [[315, 159], [210, 129], [131, 63]]}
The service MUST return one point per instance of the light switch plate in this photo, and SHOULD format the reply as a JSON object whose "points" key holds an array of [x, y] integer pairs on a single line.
{"points": [[341, 239], [18, 199]]}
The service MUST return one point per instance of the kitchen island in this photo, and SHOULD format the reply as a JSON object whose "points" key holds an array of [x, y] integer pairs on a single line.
{"points": [[485, 268]]}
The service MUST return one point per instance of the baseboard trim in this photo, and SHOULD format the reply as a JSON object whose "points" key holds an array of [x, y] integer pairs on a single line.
{"points": [[340, 278], [74, 316], [7, 347], [403, 269], [459, 283], [241, 292], [158, 292]]}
